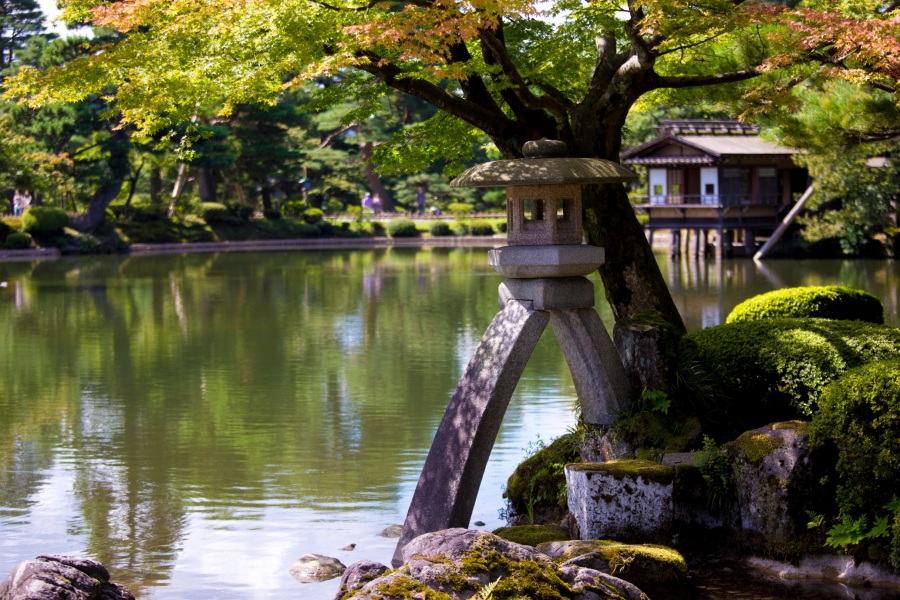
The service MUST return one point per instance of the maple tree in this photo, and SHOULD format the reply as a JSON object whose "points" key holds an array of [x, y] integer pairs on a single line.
{"points": [[515, 70]]}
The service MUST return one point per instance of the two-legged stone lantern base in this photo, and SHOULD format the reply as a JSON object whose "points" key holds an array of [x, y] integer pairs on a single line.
{"points": [[545, 265]]}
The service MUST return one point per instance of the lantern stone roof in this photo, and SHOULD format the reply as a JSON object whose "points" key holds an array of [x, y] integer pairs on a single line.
{"points": [[546, 162]]}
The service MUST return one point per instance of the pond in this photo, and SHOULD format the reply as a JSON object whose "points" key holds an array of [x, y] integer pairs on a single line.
{"points": [[198, 422]]}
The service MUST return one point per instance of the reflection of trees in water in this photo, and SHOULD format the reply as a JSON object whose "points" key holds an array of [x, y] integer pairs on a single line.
{"points": [[706, 291], [227, 376]]}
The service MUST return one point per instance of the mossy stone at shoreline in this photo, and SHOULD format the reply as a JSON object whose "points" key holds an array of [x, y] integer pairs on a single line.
{"points": [[622, 468]]}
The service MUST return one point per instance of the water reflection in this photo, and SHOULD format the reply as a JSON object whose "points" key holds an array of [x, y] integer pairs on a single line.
{"points": [[173, 415]]}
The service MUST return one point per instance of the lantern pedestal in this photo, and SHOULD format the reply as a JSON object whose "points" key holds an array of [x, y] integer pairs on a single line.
{"points": [[448, 486]]}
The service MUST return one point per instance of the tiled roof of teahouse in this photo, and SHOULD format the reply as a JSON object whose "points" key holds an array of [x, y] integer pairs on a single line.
{"points": [[672, 160], [737, 144]]}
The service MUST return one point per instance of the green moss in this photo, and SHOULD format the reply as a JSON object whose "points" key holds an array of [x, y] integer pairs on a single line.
{"points": [[650, 317], [775, 370], [537, 488], [756, 446], [621, 469], [404, 587], [801, 427], [644, 565], [532, 535], [826, 302]]}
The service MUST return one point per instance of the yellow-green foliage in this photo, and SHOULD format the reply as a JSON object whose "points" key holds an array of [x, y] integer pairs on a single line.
{"points": [[824, 302], [532, 535]]}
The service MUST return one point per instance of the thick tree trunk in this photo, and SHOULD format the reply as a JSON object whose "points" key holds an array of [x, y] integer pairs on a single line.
{"points": [[206, 185], [96, 209], [631, 276], [156, 184], [93, 214]]}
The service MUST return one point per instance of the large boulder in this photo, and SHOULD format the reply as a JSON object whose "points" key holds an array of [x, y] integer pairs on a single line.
{"points": [[458, 563], [777, 482], [54, 577]]}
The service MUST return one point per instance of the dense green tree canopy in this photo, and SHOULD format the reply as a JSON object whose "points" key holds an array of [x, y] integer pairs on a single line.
{"points": [[515, 70]]}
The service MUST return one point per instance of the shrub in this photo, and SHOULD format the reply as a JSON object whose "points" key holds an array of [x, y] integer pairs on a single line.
{"points": [[776, 369], [460, 209], [214, 212], [402, 228], [243, 211], [144, 214], [312, 216], [44, 219], [272, 214], [482, 229], [18, 241], [502, 227], [334, 206], [825, 302], [440, 229], [860, 413]]}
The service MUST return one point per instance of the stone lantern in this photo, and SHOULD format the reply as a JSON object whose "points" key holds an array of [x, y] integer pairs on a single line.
{"points": [[545, 265]]}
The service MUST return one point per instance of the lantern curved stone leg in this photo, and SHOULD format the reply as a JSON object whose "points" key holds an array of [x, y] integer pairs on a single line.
{"points": [[448, 486], [598, 374]]}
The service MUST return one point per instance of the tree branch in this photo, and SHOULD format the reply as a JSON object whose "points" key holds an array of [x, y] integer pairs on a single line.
{"points": [[492, 122], [686, 81], [546, 102]]}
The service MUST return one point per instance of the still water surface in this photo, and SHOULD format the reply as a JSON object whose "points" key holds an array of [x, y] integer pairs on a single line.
{"points": [[198, 422]]}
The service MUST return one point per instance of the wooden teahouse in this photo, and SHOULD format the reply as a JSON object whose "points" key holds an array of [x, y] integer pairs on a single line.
{"points": [[717, 176]]}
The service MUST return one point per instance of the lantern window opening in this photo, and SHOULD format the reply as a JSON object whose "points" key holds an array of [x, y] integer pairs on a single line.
{"points": [[533, 209]]}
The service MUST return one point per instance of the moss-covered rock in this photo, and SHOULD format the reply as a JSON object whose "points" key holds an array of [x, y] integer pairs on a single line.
{"points": [[645, 565], [532, 535], [459, 563], [778, 480], [825, 302], [536, 491]]}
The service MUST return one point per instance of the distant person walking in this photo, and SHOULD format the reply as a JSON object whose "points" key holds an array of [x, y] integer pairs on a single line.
{"points": [[366, 201], [421, 200], [26, 201], [376, 204], [17, 204]]}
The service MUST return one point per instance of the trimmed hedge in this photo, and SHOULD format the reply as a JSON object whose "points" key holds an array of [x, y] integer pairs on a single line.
{"points": [[214, 212], [825, 302], [311, 216], [482, 229], [18, 241], [440, 229], [44, 219], [402, 228], [776, 369]]}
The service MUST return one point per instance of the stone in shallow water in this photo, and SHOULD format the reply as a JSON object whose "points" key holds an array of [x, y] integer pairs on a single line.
{"points": [[55, 577], [312, 568], [392, 531]]}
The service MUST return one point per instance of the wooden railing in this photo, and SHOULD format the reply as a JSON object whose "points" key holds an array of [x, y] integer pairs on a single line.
{"points": [[711, 200]]}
